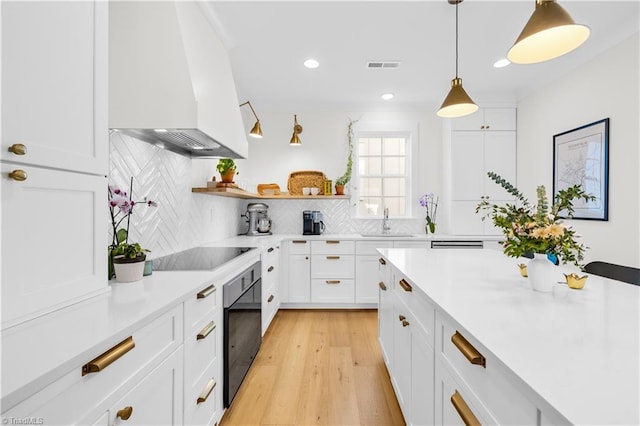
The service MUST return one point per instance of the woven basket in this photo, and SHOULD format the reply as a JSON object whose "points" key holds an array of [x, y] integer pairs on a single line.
{"points": [[305, 179]]}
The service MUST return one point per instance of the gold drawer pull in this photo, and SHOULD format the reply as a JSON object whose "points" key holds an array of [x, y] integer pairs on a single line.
{"points": [[113, 354], [468, 350], [125, 413], [299, 242], [333, 257], [270, 249], [270, 269], [18, 149], [206, 292], [270, 298], [206, 331], [206, 392], [333, 281], [402, 317], [18, 175], [463, 410], [382, 261], [405, 285], [382, 286], [405, 323], [332, 242]]}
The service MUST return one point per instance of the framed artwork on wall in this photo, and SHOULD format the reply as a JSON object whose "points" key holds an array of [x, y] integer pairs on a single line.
{"points": [[581, 157]]}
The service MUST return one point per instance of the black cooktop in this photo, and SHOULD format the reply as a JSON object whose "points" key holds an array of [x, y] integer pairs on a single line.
{"points": [[198, 258]]}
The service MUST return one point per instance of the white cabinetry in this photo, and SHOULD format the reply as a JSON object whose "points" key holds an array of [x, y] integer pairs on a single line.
{"points": [[299, 268], [368, 270], [480, 143], [54, 118], [385, 311], [270, 259], [332, 271]]}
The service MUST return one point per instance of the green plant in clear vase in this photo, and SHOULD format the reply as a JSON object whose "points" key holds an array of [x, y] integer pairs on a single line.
{"points": [[430, 202], [530, 229]]}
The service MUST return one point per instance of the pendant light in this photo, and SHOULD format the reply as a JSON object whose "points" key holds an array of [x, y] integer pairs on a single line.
{"points": [[297, 129], [256, 130], [457, 103], [549, 33]]}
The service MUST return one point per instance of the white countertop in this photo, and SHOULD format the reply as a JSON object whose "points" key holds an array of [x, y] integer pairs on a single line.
{"points": [[577, 350]]}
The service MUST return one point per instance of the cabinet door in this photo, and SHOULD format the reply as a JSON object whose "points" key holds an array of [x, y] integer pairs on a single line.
{"points": [[299, 278], [54, 240], [499, 157], [464, 220], [499, 119], [367, 279], [402, 357], [422, 378], [156, 399], [386, 322], [54, 84], [467, 165]]}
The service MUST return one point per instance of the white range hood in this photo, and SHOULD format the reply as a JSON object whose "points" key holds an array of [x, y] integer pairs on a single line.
{"points": [[170, 80]]}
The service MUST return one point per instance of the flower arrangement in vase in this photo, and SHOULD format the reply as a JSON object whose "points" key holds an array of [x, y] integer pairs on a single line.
{"points": [[430, 202], [536, 230], [126, 260]]}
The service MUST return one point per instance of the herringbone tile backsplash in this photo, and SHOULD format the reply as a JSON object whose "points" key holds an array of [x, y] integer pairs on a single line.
{"points": [[183, 219]]}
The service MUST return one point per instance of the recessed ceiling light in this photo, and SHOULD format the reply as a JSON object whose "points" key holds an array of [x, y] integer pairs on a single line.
{"points": [[387, 96], [500, 63], [160, 130], [311, 63]]}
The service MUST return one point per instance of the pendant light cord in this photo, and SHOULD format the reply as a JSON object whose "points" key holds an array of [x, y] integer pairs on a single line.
{"points": [[457, 39]]}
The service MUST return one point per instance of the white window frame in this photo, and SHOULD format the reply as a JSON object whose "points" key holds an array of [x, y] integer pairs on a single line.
{"points": [[411, 156]]}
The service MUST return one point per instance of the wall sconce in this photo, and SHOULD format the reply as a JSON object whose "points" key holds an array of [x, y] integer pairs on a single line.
{"points": [[549, 33], [297, 129], [256, 130]]}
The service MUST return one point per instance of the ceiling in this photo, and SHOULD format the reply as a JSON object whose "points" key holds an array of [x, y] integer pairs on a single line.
{"points": [[268, 42]]}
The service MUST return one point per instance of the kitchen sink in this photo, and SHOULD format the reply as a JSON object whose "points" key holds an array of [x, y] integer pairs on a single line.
{"points": [[387, 235]]}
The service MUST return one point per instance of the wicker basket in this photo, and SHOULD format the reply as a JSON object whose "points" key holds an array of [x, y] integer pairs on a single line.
{"points": [[305, 179]]}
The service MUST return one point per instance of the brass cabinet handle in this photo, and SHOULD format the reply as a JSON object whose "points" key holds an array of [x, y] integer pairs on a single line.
{"points": [[19, 175], [405, 323], [125, 413], [206, 391], [487, 127], [270, 298], [299, 241], [333, 281], [482, 127], [270, 249], [206, 331], [382, 286], [463, 410], [113, 354], [405, 285], [332, 242], [206, 292], [18, 149], [382, 261], [333, 257], [468, 350], [402, 317], [270, 269]]}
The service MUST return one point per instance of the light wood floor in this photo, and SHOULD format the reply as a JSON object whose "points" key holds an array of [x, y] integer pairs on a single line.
{"points": [[317, 367]]}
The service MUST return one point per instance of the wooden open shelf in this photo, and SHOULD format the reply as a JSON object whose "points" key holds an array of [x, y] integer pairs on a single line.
{"points": [[241, 193]]}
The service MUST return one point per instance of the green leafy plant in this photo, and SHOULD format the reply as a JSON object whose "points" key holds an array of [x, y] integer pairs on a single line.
{"points": [[536, 229], [226, 164], [346, 177]]}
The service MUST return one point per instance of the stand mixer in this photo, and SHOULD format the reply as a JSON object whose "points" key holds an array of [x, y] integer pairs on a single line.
{"points": [[259, 222]]}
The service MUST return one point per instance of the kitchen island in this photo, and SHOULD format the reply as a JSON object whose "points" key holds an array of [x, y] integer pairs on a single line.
{"points": [[571, 355]]}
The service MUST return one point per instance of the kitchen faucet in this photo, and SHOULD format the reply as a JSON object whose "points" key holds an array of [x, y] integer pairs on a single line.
{"points": [[385, 225]]}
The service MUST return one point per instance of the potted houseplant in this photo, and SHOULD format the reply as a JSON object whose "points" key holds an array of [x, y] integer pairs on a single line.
{"points": [[126, 260], [346, 177], [227, 169]]}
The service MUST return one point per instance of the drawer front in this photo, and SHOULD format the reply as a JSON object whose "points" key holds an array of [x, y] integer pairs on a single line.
{"points": [[73, 397], [463, 355], [417, 303], [332, 266], [369, 247], [270, 304], [333, 247], [270, 273], [201, 406], [300, 246], [200, 304], [270, 257], [411, 244], [332, 290], [201, 348]]}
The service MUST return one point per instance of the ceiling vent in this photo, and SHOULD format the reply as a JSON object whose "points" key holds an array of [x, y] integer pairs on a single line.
{"points": [[383, 64]]}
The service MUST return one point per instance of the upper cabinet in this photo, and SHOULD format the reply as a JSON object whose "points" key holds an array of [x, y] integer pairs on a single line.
{"points": [[493, 119], [54, 85]]}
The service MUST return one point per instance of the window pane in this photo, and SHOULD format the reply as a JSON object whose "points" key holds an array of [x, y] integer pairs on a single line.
{"points": [[394, 146], [368, 206], [370, 186], [394, 165], [394, 187], [371, 166], [396, 206], [370, 146]]}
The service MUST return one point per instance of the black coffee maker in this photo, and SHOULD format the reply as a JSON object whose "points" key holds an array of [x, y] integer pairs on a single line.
{"points": [[312, 223]]}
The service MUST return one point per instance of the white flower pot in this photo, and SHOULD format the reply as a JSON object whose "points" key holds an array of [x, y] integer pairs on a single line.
{"points": [[129, 272], [543, 274]]}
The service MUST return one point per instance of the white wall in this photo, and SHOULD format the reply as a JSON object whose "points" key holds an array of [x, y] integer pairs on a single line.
{"points": [[605, 87]]}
